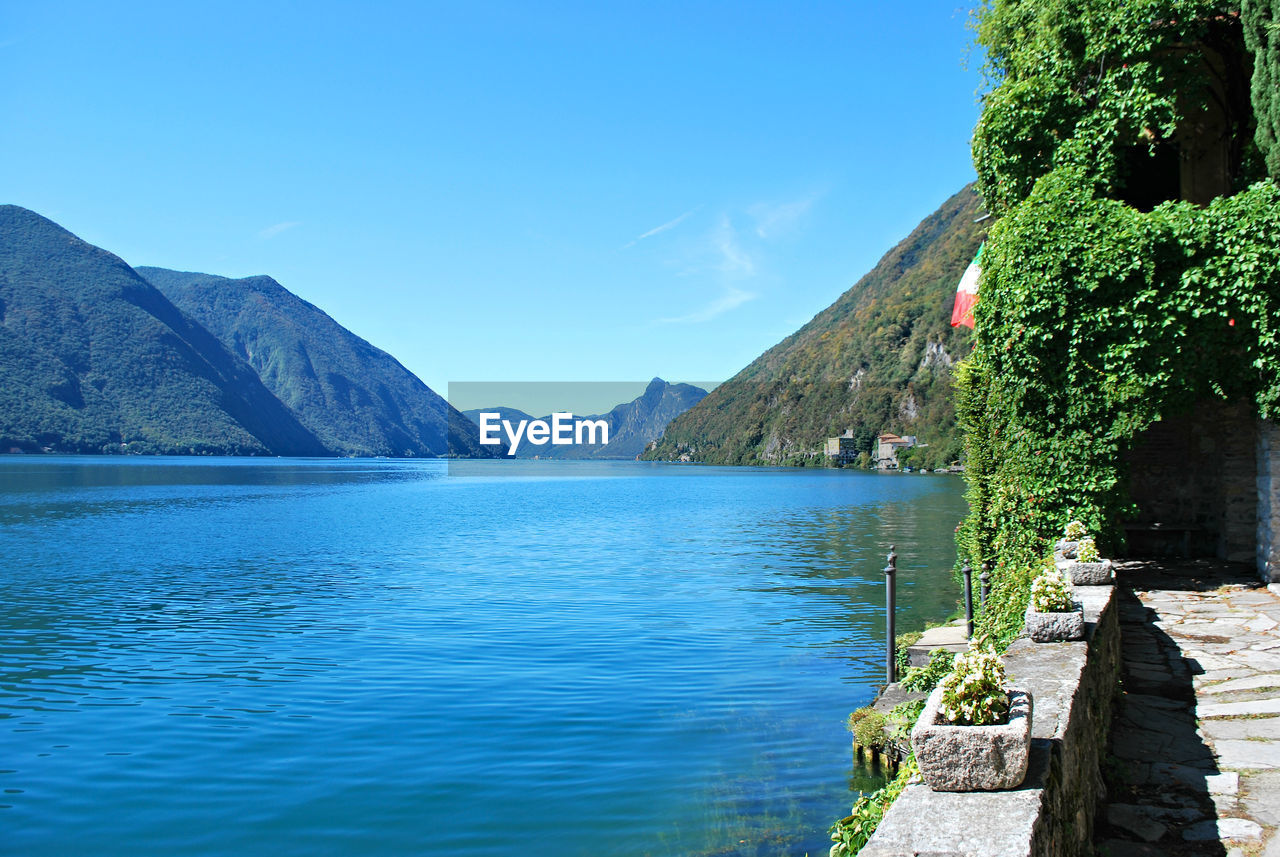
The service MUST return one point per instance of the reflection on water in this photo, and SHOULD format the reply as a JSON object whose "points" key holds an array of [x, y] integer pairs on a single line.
{"points": [[250, 656]]}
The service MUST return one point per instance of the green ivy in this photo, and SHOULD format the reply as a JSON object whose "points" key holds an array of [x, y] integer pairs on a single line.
{"points": [[1083, 82], [902, 643], [925, 678], [852, 832], [902, 719], [1262, 34], [1096, 318]]}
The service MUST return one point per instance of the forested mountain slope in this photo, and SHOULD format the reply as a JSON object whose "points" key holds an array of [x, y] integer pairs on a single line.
{"points": [[94, 359], [878, 359], [357, 399]]}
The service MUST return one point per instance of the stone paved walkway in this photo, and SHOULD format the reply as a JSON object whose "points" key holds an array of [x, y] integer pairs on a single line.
{"points": [[1194, 765]]}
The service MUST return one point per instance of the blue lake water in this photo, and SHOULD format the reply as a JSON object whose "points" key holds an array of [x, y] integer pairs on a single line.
{"points": [[291, 657]]}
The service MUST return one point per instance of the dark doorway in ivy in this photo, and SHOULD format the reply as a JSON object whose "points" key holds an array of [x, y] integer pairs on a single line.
{"points": [[1193, 478]]}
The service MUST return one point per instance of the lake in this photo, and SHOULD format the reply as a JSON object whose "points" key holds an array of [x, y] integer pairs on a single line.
{"points": [[312, 657]]}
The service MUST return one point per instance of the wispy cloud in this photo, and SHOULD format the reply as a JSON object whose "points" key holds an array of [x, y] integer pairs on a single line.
{"points": [[657, 230], [735, 260], [732, 255], [272, 231], [732, 298], [773, 218]]}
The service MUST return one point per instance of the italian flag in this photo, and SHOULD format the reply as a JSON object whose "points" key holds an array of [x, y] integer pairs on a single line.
{"points": [[967, 292]]}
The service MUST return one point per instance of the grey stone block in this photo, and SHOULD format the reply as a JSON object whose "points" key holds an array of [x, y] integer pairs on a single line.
{"points": [[1055, 627], [973, 758], [1088, 573]]}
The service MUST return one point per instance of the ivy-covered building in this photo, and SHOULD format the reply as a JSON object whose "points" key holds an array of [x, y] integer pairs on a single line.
{"points": [[1127, 361]]}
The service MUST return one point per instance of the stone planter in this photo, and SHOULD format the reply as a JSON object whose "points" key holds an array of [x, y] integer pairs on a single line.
{"points": [[1087, 573], [1065, 549], [973, 758], [1055, 627]]}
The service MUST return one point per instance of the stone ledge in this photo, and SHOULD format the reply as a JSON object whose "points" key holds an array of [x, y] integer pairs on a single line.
{"points": [[1051, 813], [949, 637]]}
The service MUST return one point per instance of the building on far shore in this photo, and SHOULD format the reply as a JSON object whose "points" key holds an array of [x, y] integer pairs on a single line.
{"points": [[843, 448], [887, 446]]}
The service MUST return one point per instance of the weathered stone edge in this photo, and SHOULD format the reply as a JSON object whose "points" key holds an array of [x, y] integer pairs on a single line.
{"points": [[1051, 814]]}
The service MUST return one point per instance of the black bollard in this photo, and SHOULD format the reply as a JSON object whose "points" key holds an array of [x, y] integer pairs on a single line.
{"points": [[891, 664], [968, 601]]}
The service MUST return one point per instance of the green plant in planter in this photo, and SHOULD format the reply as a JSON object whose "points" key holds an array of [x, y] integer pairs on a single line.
{"points": [[973, 693], [1087, 550], [1051, 592], [1054, 615], [1074, 531]]}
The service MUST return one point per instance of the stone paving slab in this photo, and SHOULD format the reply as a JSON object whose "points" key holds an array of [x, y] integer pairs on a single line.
{"points": [[1253, 682], [1250, 754], [1196, 737], [1262, 801], [1229, 729], [1250, 708], [1223, 829], [948, 637]]}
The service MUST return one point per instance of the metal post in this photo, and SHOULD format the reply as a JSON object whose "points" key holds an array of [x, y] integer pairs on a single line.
{"points": [[891, 664], [985, 578], [968, 600]]}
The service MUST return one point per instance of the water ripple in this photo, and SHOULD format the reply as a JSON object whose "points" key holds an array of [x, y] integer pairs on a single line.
{"points": [[328, 657]]}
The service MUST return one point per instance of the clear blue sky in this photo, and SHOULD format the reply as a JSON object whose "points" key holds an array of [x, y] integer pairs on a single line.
{"points": [[498, 191]]}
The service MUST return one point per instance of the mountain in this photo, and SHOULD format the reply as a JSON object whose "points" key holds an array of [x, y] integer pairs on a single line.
{"points": [[94, 359], [877, 360], [357, 399], [632, 425], [635, 424]]}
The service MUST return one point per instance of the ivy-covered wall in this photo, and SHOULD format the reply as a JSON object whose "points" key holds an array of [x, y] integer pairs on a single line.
{"points": [[1104, 309], [1262, 35]]}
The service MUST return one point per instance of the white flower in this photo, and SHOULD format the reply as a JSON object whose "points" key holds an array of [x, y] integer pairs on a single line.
{"points": [[973, 692], [1051, 592]]}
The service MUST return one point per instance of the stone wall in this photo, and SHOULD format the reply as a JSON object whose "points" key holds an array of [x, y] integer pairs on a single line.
{"points": [[1073, 686], [1196, 473], [1268, 461]]}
